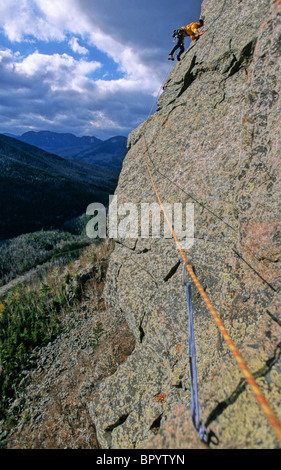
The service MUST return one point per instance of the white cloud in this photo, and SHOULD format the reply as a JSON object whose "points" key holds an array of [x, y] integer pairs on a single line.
{"points": [[67, 93], [23, 18], [49, 20], [55, 92], [59, 72], [101, 121], [75, 46]]}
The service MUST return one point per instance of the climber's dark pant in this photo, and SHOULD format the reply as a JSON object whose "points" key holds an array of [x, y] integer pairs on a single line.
{"points": [[179, 46]]}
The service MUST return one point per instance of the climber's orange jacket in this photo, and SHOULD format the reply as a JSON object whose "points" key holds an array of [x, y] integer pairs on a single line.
{"points": [[191, 30]]}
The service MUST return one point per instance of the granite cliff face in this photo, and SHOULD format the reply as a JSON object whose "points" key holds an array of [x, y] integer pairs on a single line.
{"points": [[214, 141]]}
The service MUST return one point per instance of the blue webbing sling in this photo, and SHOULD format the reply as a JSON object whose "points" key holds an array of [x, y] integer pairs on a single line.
{"points": [[194, 404]]}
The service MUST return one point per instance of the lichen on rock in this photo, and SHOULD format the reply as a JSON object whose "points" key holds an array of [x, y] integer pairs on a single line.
{"points": [[214, 141]]}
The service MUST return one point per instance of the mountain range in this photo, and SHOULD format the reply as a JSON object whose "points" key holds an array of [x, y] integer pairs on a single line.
{"points": [[41, 190], [107, 154]]}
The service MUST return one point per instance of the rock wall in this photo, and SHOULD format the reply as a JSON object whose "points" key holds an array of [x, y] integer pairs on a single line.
{"points": [[214, 141]]}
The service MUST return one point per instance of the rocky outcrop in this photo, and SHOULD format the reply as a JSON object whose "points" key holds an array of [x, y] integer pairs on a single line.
{"points": [[212, 142]]}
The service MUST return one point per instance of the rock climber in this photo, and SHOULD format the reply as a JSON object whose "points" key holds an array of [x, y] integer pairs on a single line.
{"points": [[184, 31]]}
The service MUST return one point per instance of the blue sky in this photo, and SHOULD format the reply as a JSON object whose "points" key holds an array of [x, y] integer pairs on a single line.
{"points": [[89, 67]]}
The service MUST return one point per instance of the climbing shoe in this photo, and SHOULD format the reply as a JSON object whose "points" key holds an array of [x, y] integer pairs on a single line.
{"points": [[178, 57], [170, 57]]}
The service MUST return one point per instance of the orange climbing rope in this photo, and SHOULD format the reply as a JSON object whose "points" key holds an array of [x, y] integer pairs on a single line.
{"points": [[273, 421]]}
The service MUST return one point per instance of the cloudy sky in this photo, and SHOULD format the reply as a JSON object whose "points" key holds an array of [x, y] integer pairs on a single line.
{"points": [[89, 67]]}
